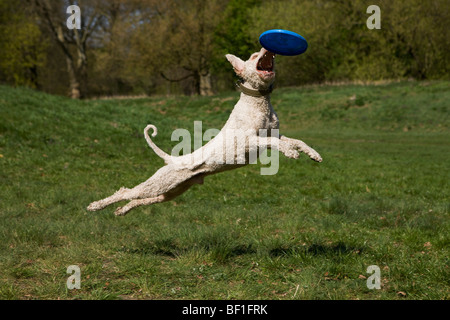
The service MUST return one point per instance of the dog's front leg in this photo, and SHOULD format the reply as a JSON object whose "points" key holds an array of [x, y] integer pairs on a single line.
{"points": [[303, 147], [277, 144]]}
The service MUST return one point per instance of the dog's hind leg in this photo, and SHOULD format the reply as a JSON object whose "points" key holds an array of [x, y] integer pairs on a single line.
{"points": [[153, 187], [116, 197], [167, 181], [121, 211], [167, 196]]}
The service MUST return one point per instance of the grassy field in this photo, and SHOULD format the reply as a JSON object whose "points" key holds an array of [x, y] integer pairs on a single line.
{"points": [[380, 197]]}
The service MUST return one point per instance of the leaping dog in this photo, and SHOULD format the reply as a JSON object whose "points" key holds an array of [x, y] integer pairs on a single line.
{"points": [[252, 113]]}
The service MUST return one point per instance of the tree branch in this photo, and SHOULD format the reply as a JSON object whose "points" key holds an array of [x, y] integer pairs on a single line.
{"points": [[176, 80]]}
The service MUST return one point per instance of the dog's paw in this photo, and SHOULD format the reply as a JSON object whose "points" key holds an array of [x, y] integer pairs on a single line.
{"points": [[314, 155], [121, 211], [292, 153], [317, 158], [94, 206]]}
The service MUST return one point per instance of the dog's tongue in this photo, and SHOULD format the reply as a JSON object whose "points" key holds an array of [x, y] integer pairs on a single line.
{"points": [[266, 61]]}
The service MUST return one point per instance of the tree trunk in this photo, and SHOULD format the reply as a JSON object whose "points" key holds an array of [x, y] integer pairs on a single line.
{"points": [[81, 71], [205, 84], [72, 70], [74, 84]]}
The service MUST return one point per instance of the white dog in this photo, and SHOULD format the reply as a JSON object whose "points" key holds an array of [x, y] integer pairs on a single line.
{"points": [[252, 113]]}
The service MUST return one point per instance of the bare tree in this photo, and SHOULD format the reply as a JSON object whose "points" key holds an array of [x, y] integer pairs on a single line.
{"points": [[73, 42], [181, 37]]}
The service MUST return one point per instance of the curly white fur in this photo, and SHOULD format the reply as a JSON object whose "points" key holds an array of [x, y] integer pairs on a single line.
{"points": [[250, 114]]}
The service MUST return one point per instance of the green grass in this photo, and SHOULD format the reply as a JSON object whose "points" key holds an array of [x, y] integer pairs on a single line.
{"points": [[380, 197]]}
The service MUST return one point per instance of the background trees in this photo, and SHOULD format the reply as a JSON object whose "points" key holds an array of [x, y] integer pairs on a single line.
{"points": [[182, 36], [22, 45], [178, 46]]}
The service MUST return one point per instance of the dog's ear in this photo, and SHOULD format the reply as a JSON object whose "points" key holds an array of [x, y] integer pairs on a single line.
{"points": [[237, 63]]}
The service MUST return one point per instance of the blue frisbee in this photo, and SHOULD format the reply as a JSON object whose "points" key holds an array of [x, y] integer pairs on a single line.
{"points": [[284, 42]]}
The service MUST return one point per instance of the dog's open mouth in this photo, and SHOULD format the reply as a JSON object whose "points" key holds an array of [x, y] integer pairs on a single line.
{"points": [[266, 63]]}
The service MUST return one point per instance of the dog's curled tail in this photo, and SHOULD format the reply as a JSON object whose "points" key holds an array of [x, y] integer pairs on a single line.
{"points": [[166, 157]]}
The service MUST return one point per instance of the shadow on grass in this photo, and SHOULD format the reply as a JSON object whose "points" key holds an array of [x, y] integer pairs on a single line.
{"points": [[316, 249], [171, 249], [222, 252]]}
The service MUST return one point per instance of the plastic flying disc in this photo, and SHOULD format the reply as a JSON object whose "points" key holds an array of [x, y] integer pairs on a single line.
{"points": [[284, 42]]}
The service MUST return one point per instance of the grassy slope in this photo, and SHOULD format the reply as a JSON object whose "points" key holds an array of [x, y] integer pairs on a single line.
{"points": [[309, 232]]}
